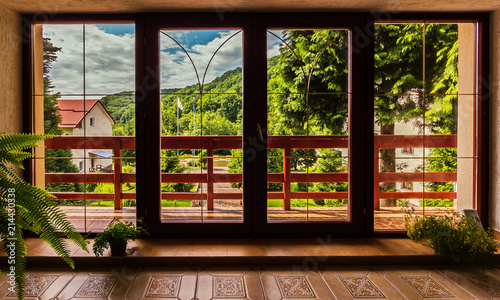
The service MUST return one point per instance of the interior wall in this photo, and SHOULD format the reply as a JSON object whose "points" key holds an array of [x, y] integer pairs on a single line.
{"points": [[495, 123], [11, 95], [10, 76]]}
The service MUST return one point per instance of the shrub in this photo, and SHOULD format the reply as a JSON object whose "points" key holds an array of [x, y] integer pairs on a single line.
{"points": [[455, 236]]}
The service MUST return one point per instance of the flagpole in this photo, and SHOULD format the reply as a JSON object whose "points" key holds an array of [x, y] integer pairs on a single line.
{"points": [[194, 130], [177, 122]]}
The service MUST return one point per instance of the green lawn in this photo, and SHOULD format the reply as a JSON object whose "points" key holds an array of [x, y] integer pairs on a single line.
{"points": [[293, 203], [187, 203]]}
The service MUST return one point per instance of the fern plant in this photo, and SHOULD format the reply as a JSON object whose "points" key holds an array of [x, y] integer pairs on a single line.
{"points": [[27, 207]]}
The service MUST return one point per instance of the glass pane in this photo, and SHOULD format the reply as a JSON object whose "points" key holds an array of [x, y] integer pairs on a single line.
{"points": [[109, 58], [202, 100], [398, 190], [69, 191], [442, 59], [398, 58], [307, 125], [90, 107], [64, 59]]}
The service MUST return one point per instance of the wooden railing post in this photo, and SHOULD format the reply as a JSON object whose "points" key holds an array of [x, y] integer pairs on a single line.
{"points": [[210, 174], [376, 177], [117, 154], [287, 174]]}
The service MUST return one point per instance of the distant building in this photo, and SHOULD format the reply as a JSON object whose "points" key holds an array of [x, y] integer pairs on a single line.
{"points": [[89, 117]]}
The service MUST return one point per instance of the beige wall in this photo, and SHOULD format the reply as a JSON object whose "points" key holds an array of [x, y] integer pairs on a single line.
{"points": [[11, 94], [10, 75], [494, 212]]}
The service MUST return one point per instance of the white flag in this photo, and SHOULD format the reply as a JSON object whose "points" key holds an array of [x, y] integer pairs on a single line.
{"points": [[179, 104]]}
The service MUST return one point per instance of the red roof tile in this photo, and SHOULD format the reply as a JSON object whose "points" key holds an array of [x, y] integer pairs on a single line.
{"points": [[73, 111]]}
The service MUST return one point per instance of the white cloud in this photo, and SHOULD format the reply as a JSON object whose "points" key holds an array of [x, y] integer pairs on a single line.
{"points": [[109, 60], [177, 71], [273, 43]]}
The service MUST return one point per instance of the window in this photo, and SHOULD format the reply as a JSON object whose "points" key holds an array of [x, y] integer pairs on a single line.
{"points": [[90, 75], [408, 186], [306, 155], [408, 150], [427, 108]]}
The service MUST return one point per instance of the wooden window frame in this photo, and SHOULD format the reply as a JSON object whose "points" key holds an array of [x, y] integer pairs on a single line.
{"points": [[255, 24]]}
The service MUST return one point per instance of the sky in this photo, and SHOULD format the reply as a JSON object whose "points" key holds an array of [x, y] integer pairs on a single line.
{"points": [[102, 56]]}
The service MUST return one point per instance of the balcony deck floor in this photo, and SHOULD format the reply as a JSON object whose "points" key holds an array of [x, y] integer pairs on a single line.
{"points": [[97, 218]]}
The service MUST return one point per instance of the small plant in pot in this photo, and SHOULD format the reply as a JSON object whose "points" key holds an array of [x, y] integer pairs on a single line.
{"points": [[116, 236]]}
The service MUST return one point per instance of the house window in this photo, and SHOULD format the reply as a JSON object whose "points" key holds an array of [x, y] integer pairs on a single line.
{"points": [[408, 150], [92, 122], [80, 125], [408, 186]]}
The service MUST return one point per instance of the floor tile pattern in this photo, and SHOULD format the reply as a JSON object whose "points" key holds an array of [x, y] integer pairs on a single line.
{"points": [[260, 283], [487, 283], [163, 286], [96, 286], [36, 285], [361, 287], [297, 287], [427, 287], [229, 286]]}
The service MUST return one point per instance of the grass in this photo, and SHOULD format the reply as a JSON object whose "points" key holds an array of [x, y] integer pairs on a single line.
{"points": [[293, 203], [164, 203], [187, 203]]}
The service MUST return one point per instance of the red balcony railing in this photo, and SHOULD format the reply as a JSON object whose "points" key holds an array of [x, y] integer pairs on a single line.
{"points": [[287, 143]]}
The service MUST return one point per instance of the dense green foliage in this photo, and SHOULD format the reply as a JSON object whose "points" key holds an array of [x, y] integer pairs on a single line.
{"points": [[456, 236], [27, 207]]}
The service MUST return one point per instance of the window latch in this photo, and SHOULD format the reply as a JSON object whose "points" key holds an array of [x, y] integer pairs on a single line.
{"points": [[261, 137]]}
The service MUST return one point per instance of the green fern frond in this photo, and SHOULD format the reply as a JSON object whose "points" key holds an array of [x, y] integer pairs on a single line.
{"points": [[34, 211]]}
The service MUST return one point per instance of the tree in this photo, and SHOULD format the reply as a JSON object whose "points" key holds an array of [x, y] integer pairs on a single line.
{"points": [[274, 165], [331, 161], [399, 74], [399, 65], [57, 160], [308, 78], [170, 163]]}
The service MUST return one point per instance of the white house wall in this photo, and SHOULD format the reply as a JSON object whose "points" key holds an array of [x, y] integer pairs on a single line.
{"points": [[103, 127]]}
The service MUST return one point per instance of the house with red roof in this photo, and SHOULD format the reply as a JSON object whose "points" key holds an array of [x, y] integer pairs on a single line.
{"points": [[87, 118]]}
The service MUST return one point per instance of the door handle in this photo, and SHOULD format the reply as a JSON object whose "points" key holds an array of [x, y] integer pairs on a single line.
{"points": [[261, 137]]}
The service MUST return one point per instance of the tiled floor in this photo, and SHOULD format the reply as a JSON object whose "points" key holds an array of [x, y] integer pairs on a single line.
{"points": [[260, 283], [97, 218]]}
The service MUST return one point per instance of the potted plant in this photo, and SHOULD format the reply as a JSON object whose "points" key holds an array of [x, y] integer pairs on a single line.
{"points": [[27, 207], [454, 235], [116, 236]]}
